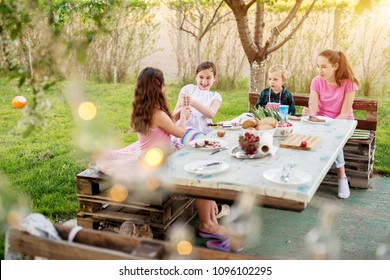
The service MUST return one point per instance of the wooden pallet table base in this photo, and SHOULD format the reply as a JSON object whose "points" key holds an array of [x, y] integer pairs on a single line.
{"points": [[98, 208], [358, 153]]}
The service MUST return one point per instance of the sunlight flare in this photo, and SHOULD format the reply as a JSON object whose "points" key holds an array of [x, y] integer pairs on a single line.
{"points": [[87, 111], [154, 157]]}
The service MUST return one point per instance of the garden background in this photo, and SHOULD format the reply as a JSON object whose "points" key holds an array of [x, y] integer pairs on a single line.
{"points": [[93, 50]]}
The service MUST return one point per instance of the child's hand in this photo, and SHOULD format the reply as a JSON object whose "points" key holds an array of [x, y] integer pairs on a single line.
{"points": [[187, 112], [185, 100], [306, 111]]}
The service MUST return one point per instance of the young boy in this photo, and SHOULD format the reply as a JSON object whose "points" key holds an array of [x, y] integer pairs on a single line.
{"points": [[276, 94]]}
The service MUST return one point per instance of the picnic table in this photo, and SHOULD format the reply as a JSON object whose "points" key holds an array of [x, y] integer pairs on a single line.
{"points": [[248, 175]]}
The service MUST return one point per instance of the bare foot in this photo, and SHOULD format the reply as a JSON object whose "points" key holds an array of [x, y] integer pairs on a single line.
{"points": [[212, 228]]}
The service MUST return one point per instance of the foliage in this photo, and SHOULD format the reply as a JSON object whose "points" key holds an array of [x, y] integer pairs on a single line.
{"points": [[50, 52]]}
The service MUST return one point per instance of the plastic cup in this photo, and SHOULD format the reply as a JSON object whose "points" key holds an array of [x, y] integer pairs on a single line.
{"points": [[283, 111]]}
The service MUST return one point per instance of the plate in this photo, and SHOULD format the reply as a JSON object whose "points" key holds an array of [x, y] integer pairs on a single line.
{"points": [[297, 176], [327, 120], [238, 153], [206, 167], [200, 144], [231, 125]]}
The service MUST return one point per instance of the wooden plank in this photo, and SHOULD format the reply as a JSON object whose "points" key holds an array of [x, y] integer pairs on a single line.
{"points": [[121, 214], [231, 195], [30, 245], [87, 189], [294, 141]]}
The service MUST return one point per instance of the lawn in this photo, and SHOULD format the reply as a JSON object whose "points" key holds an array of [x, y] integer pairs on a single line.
{"points": [[42, 165]]}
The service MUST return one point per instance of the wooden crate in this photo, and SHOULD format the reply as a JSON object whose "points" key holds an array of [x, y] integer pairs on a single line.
{"points": [[99, 209], [358, 153], [98, 245]]}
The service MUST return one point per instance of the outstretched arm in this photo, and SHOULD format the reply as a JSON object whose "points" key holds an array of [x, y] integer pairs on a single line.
{"points": [[208, 112], [162, 120]]}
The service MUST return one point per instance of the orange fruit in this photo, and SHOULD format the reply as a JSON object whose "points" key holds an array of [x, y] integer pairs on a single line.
{"points": [[19, 102]]}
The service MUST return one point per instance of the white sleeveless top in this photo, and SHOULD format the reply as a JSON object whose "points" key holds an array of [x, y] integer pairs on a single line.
{"points": [[197, 120]]}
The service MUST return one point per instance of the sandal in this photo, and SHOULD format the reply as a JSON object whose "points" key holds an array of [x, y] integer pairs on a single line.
{"points": [[223, 210], [222, 245], [212, 236]]}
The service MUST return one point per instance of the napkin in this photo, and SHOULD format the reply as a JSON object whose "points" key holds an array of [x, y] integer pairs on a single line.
{"points": [[266, 141]]}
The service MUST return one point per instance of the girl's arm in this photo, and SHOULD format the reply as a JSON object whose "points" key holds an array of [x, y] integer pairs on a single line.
{"points": [[208, 112], [313, 100], [178, 107], [347, 105], [162, 120]]}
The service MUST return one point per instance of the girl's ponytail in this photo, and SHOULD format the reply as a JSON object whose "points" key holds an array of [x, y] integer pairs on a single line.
{"points": [[345, 70]]}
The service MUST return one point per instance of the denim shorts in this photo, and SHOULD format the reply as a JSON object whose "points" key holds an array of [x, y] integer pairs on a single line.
{"points": [[339, 161]]}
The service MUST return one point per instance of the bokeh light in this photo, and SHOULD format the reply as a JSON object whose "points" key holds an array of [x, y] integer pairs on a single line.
{"points": [[14, 217], [184, 248], [152, 184], [154, 157], [118, 193], [87, 111]]}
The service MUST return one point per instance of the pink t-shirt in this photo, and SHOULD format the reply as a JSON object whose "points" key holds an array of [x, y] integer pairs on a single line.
{"points": [[331, 97], [156, 138]]}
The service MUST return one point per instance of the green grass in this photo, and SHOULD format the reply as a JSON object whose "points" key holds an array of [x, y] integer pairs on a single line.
{"points": [[42, 165]]}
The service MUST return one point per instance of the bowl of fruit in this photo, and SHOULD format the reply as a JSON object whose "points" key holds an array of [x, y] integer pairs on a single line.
{"points": [[283, 129], [249, 143]]}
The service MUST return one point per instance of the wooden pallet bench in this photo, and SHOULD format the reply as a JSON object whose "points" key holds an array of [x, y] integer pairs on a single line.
{"points": [[91, 244], [98, 208], [358, 153]]}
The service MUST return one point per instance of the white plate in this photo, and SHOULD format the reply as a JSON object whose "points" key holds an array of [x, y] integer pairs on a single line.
{"points": [[200, 167], [230, 125], [297, 176], [200, 142], [327, 119]]}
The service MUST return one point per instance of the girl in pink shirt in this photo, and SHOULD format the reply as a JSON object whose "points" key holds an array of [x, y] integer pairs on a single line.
{"points": [[331, 94]]}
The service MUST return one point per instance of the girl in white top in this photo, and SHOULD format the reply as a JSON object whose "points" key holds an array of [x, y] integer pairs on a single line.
{"points": [[204, 105], [203, 102]]}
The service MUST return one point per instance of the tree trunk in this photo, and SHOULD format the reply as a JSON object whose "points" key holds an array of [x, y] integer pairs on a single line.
{"points": [[198, 47], [180, 47], [336, 27], [257, 76]]}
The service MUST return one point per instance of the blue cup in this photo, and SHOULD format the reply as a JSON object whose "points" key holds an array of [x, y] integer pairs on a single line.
{"points": [[283, 112]]}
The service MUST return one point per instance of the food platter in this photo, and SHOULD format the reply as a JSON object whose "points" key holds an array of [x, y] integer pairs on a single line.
{"points": [[208, 144]]}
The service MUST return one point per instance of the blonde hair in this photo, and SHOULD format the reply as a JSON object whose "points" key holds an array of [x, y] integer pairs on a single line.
{"points": [[279, 67]]}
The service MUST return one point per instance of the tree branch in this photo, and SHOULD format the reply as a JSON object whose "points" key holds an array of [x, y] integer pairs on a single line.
{"points": [[293, 31], [186, 30], [212, 21], [290, 16]]}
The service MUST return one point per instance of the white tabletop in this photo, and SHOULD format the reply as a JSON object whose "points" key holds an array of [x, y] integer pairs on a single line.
{"points": [[247, 174]]}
